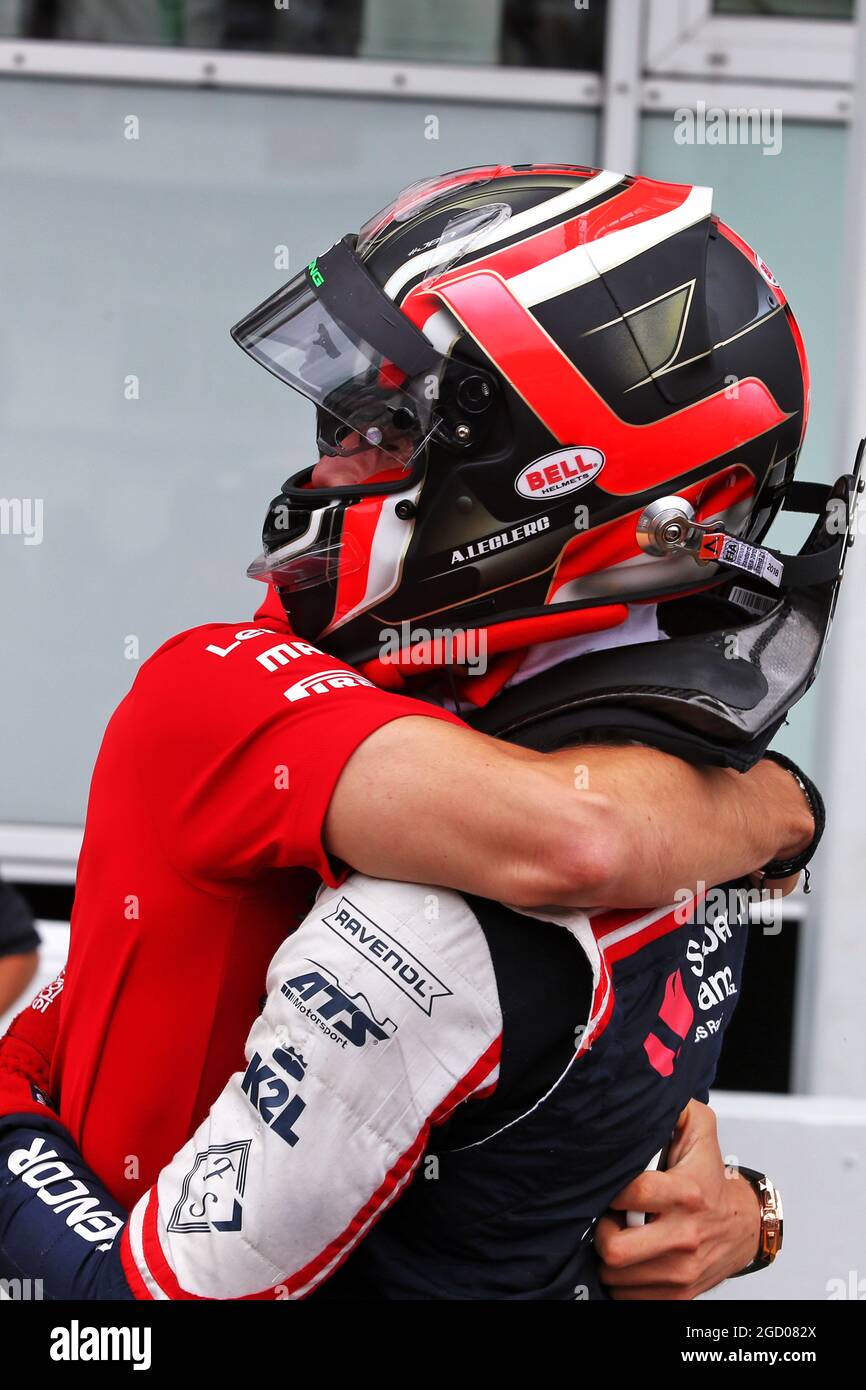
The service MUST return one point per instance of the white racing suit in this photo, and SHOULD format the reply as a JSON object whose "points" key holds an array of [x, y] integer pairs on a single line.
{"points": [[440, 1099]]}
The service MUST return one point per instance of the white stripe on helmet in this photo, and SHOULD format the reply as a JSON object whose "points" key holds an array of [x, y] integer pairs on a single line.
{"points": [[589, 262], [390, 542], [521, 222]]}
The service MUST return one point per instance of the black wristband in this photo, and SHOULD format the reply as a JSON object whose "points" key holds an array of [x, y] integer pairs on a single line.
{"points": [[783, 868]]}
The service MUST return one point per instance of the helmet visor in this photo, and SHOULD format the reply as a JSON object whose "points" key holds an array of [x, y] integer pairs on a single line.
{"points": [[333, 335]]}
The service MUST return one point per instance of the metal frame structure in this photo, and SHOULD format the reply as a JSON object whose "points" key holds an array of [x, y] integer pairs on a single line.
{"points": [[799, 102], [358, 77], [654, 52], [623, 49], [687, 38]]}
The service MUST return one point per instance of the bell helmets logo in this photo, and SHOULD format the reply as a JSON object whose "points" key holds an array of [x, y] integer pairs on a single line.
{"points": [[563, 471]]}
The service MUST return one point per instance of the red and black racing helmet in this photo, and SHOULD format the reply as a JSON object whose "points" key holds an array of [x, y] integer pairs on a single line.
{"points": [[580, 383]]}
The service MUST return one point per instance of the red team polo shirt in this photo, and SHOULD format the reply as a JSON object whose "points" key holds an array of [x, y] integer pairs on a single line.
{"points": [[202, 850]]}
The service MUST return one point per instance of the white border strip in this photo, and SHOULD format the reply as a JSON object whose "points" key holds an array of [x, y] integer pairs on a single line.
{"points": [[39, 853], [593, 259], [797, 102], [446, 251], [770, 1108], [689, 37], [136, 1248], [623, 55], [221, 68]]}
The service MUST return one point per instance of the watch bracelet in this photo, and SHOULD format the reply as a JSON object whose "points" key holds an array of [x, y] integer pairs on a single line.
{"points": [[783, 868]]}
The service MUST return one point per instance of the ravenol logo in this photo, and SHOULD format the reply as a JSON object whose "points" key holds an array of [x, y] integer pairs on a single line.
{"points": [[387, 954]]}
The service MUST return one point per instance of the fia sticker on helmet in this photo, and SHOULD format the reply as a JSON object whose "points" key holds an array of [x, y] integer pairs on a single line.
{"points": [[563, 471], [766, 272]]}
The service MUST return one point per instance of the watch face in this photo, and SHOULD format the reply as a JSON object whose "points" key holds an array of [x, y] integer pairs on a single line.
{"points": [[770, 1201], [771, 1220]]}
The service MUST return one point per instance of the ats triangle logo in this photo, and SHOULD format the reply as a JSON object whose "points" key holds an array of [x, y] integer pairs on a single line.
{"points": [[563, 471]]}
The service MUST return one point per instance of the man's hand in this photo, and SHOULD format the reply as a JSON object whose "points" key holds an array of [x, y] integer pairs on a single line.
{"points": [[773, 787], [704, 1223]]}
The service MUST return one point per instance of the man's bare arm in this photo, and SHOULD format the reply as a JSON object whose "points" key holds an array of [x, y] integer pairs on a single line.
{"points": [[422, 800]]}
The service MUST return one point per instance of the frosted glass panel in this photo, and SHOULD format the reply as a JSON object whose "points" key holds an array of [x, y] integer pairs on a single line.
{"points": [[790, 208], [152, 443]]}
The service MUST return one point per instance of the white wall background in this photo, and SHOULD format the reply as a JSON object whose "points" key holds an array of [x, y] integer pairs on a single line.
{"points": [[122, 257]]}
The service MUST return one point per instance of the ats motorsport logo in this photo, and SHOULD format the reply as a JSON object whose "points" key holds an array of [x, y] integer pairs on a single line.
{"points": [[344, 1018]]}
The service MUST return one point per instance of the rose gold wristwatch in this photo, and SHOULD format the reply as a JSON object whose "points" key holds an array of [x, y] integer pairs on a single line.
{"points": [[770, 1202]]}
